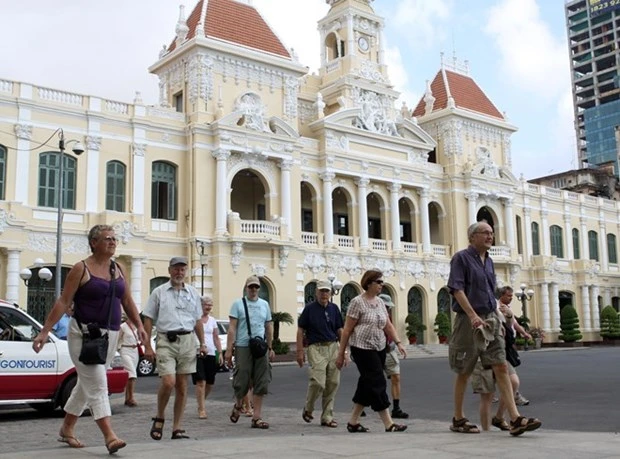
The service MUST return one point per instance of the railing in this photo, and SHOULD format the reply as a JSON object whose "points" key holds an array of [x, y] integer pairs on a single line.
{"points": [[553, 192], [439, 250], [410, 247], [378, 245], [260, 227], [310, 239], [591, 199], [532, 187], [117, 107], [333, 66], [345, 242], [62, 97], [6, 86], [572, 196], [499, 251]]}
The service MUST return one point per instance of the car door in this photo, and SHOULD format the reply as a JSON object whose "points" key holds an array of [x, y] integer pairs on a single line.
{"points": [[24, 374]]}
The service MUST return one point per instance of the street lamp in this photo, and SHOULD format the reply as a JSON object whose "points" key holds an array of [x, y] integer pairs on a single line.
{"points": [[44, 274], [336, 285], [525, 295], [78, 149], [203, 263]]}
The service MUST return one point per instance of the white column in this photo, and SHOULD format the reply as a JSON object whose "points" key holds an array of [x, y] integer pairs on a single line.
{"points": [[585, 307], [594, 308], [136, 281], [138, 179], [527, 232], [424, 221], [328, 217], [472, 204], [568, 234], [93, 173], [362, 207], [395, 215], [607, 297], [602, 243], [350, 36], [22, 186], [544, 298], [555, 305], [221, 156], [583, 235], [381, 52], [285, 166], [545, 239], [12, 276], [509, 222]]}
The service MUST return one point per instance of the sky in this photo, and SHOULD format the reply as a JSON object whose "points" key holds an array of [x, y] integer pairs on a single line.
{"points": [[517, 52]]}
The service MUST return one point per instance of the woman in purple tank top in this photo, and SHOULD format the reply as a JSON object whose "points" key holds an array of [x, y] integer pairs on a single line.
{"points": [[88, 287]]}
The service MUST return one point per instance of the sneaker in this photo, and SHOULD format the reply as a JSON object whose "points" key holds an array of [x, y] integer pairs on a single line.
{"points": [[520, 400], [399, 414]]}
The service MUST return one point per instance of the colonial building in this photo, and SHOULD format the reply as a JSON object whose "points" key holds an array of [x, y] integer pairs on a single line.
{"points": [[250, 165]]}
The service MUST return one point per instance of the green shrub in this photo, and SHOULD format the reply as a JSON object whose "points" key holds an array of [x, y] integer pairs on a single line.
{"points": [[569, 325], [279, 347], [443, 327], [414, 325], [610, 323]]}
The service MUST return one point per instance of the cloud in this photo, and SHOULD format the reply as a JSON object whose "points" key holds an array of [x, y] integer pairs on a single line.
{"points": [[531, 57], [423, 21], [399, 77]]}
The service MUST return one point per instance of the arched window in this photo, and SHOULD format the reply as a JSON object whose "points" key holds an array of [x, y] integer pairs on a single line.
{"points": [[415, 305], [310, 292], [163, 191], [593, 245], [611, 248], [115, 186], [2, 172], [576, 244], [535, 239], [557, 245], [49, 163]]}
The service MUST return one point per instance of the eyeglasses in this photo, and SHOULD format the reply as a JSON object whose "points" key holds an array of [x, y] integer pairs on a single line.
{"points": [[380, 282], [254, 286], [109, 239], [486, 233]]}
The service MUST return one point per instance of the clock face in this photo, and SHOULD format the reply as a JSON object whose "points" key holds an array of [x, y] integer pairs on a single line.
{"points": [[362, 42]]}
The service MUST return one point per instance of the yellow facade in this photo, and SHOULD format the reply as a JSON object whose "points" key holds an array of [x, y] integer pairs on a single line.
{"points": [[294, 177]]}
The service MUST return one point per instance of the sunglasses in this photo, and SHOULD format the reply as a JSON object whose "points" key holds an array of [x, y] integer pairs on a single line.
{"points": [[254, 286], [380, 282]]}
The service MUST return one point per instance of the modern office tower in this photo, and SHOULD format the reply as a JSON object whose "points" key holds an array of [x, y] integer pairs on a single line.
{"points": [[594, 37]]}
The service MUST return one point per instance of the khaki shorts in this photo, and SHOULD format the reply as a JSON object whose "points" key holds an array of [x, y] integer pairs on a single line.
{"points": [[463, 353], [483, 380], [178, 357], [250, 373], [392, 363]]}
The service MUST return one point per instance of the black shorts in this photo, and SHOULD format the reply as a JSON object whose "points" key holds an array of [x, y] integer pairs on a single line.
{"points": [[205, 369]]}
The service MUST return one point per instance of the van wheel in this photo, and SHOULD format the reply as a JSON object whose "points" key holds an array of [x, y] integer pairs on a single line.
{"points": [[65, 393]]}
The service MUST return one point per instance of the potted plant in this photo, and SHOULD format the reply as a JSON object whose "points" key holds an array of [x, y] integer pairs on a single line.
{"points": [[443, 328], [538, 335], [414, 326], [610, 324], [569, 325]]}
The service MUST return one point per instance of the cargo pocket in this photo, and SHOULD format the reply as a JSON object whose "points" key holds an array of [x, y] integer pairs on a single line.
{"points": [[458, 358]]}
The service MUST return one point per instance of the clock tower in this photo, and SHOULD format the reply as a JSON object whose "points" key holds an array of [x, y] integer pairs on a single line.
{"points": [[352, 55]]}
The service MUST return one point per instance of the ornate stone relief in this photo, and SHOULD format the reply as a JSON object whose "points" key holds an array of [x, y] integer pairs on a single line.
{"points": [[139, 149], [43, 243], [483, 134], [307, 111], [252, 160], [370, 71], [236, 253], [5, 219], [93, 142], [450, 133], [375, 112], [284, 253], [253, 110], [484, 164], [124, 230], [200, 77], [23, 131], [314, 262], [258, 269], [291, 89]]}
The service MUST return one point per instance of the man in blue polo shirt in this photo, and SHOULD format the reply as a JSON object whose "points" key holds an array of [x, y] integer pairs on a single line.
{"points": [[321, 323]]}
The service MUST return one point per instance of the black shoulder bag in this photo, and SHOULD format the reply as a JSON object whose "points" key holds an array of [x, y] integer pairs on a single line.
{"points": [[512, 356], [94, 343], [258, 345]]}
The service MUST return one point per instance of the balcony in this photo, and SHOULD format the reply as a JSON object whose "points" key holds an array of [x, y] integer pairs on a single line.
{"points": [[500, 252], [259, 230], [378, 245]]}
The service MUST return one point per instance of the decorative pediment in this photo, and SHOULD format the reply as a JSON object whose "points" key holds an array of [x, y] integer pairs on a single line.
{"points": [[273, 125]]}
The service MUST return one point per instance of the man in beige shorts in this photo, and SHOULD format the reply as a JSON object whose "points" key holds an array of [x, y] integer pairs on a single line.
{"points": [[175, 309], [392, 366]]}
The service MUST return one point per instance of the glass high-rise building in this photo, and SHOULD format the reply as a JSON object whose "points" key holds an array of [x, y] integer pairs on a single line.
{"points": [[594, 45]]}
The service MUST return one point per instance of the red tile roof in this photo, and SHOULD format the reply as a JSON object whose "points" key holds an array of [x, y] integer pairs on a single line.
{"points": [[235, 22], [465, 92]]}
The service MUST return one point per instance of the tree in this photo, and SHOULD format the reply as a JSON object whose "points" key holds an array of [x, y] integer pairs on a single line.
{"points": [[610, 323], [414, 325], [280, 317], [443, 327], [569, 324]]}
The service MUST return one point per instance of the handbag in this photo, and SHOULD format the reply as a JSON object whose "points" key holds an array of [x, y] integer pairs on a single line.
{"points": [[258, 345], [512, 356], [94, 343]]}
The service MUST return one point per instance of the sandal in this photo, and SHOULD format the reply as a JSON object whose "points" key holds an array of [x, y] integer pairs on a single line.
{"points": [[396, 428], [235, 414], [202, 414], [500, 423], [356, 428], [114, 445], [131, 403], [463, 426], [156, 432], [332, 424], [179, 434], [307, 416], [69, 440], [259, 424], [517, 427]]}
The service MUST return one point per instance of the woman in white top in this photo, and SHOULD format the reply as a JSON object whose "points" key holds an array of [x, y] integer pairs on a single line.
{"points": [[128, 343], [207, 365]]}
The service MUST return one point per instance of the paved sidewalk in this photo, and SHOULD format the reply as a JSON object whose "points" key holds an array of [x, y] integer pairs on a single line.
{"points": [[290, 437]]}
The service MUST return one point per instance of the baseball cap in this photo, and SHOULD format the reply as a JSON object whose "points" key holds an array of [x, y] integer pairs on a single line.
{"points": [[178, 261], [252, 280], [323, 285], [387, 300]]}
